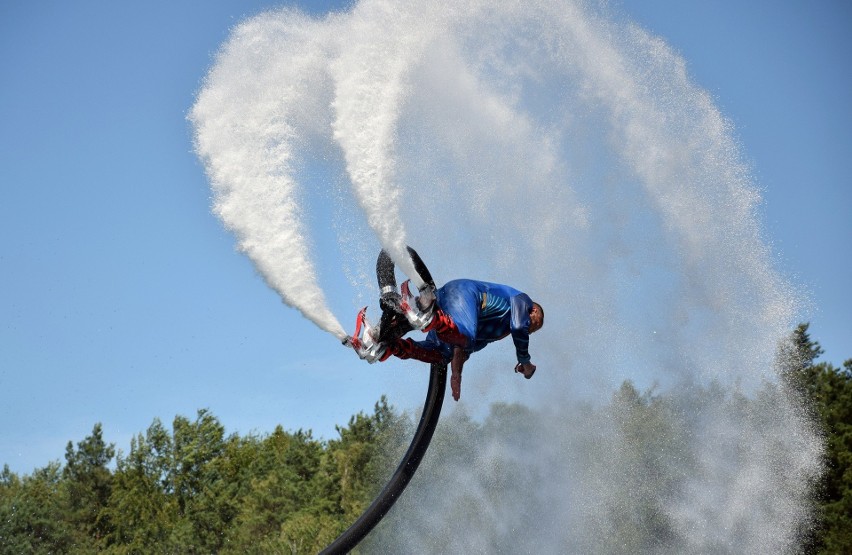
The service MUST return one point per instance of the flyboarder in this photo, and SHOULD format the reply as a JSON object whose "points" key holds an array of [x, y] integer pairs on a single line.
{"points": [[460, 318]]}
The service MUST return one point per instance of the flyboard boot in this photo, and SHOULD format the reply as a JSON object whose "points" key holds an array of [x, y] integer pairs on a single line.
{"points": [[365, 341], [401, 313]]}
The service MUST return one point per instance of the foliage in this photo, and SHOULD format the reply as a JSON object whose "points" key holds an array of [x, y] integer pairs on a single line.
{"points": [[33, 512], [88, 483], [192, 489], [830, 390]]}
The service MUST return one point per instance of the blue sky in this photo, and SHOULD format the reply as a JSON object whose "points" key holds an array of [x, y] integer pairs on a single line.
{"points": [[123, 299]]}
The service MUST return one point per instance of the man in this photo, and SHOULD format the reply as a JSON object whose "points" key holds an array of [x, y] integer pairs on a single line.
{"points": [[469, 315]]}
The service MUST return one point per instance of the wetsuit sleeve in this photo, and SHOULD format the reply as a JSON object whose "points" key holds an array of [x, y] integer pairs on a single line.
{"points": [[520, 325]]}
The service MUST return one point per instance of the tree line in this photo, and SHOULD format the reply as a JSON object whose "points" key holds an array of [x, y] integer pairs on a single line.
{"points": [[190, 488]]}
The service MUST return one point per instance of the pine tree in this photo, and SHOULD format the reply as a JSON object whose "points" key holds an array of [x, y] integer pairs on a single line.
{"points": [[89, 483], [827, 390], [833, 395]]}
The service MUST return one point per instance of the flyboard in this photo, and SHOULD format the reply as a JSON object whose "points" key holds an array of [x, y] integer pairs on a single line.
{"points": [[401, 313]]}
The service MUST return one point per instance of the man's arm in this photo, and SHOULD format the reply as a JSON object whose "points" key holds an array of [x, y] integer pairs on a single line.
{"points": [[457, 364], [520, 326]]}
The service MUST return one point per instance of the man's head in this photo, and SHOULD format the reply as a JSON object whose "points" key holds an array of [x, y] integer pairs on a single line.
{"points": [[536, 318]]}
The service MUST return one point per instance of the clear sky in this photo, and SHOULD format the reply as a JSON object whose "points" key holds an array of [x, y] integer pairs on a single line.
{"points": [[123, 299]]}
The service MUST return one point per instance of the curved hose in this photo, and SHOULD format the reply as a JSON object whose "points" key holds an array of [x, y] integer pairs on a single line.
{"points": [[404, 472]]}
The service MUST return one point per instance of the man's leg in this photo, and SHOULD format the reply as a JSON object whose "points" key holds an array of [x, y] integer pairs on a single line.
{"points": [[406, 348]]}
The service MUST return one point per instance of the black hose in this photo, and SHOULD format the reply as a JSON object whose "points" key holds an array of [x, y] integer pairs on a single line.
{"points": [[404, 472]]}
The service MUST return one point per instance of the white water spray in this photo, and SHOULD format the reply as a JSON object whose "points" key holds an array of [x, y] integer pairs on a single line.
{"points": [[370, 73], [253, 114], [553, 148]]}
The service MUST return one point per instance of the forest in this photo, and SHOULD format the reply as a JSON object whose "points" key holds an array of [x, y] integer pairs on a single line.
{"points": [[192, 488]]}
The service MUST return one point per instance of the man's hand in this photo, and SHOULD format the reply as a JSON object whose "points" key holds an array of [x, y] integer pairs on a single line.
{"points": [[459, 357], [455, 385], [527, 369]]}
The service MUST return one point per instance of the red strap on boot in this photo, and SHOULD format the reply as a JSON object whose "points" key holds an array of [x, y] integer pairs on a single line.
{"points": [[446, 329]]}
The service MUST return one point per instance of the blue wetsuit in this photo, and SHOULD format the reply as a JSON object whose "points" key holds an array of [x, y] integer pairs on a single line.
{"points": [[483, 312]]}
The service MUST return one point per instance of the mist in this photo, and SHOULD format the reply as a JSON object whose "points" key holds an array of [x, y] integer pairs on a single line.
{"points": [[565, 151]]}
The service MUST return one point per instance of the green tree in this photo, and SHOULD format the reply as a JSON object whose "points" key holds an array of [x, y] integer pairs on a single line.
{"points": [[832, 392], [32, 513], [89, 484], [355, 457], [797, 357], [177, 492], [280, 485], [828, 391], [651, 436], [141, 507], [304, 492], [196, 446]]}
